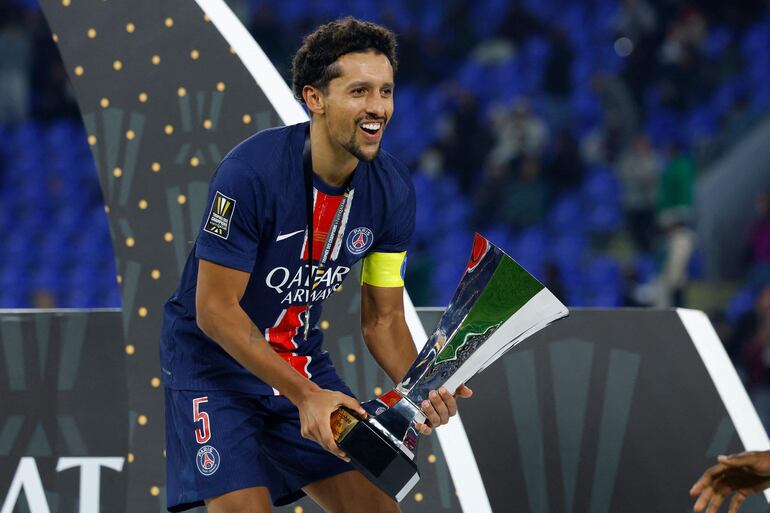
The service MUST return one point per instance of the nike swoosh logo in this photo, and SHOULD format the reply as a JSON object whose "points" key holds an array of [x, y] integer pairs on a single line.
{"points": [[287, 235]]}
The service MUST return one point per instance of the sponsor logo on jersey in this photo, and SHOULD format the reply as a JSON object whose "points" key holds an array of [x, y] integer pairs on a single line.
{"points": [[220, 215], [359, 240], [208, 460], [293, 287]]}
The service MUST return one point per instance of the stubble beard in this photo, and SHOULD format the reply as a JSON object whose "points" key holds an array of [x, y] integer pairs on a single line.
{"points": [[354, 149]]}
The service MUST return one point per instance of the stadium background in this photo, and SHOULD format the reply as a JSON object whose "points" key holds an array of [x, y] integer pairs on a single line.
{"points": [[574, 136]]}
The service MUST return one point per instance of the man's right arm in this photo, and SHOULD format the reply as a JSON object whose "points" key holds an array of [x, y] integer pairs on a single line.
{"points": [[220, 316]]}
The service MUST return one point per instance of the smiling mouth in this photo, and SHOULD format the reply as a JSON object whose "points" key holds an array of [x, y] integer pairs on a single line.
{"points": [[371, 127]]}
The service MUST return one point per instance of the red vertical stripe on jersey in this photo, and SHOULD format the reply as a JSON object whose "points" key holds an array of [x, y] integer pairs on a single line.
{"points": [[281, 338], [323, 215]]}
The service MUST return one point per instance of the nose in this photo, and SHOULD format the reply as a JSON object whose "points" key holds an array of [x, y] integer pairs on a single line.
{"points": [[376, 106]]}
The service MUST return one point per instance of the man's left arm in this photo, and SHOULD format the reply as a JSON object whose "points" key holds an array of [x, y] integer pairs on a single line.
{"points": [[389, 341]]}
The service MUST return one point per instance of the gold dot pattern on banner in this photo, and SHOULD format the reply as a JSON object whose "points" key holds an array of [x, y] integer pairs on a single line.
{"points": [[169, 22], [182, 92], [164, 453], [91, 33], [195, 54], [119, 279], [142, 311], [130, 242], [207, 19], [142, 420], [130, 349], [351, 358], [298, 509], [117, 172], [104, 103], [130, 135], [155, 59], [377, 391], [130, 28], [232, 50], [130, 457], [207, 124], [117, 65], [154, 491], [155, 274], [65, 3], [181, 199], [246, 119], [418, 497], [143, 97], [155, 167], [91, 140], [168, 236], [155, 382], [55, 38], [220, 86], [168, 129], [106, 209], [79, 71], [143, 204], [324, 325], [194, 161], [431, 458]]}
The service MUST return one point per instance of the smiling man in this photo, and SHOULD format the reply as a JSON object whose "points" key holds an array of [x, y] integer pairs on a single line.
{"points": [[249, 390]]}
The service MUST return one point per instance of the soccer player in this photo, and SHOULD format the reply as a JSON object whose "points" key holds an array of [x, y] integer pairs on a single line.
{"points": [[249, 390], [740, 475]]}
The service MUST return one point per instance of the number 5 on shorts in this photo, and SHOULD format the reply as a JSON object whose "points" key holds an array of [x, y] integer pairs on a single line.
{"points": [[203, 434]]}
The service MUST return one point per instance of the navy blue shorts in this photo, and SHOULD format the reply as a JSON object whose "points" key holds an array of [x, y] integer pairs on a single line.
{"points": [[222, 441]]}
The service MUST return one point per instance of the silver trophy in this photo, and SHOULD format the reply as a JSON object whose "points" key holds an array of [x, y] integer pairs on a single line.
{"points": [[496, 305]]}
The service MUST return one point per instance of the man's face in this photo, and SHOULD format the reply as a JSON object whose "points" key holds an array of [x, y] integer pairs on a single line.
{"points": [[359, 103]]}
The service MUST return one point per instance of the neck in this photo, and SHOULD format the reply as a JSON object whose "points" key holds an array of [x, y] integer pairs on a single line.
{"points": [[331, 162]]}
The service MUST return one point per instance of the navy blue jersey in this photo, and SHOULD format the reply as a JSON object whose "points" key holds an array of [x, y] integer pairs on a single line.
{"points": [[256, 221]]}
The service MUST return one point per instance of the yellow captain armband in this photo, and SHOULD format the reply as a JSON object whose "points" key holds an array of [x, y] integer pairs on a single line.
{"points": [[383, 269]]}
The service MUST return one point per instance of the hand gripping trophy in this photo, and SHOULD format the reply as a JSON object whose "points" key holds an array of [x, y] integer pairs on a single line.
{"points": [[496, 305]]}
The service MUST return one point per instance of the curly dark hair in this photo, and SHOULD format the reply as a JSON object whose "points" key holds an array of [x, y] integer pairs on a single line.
{"points": [[315, 61]]}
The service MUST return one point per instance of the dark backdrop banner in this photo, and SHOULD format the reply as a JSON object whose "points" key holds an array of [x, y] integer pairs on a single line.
{"points": [[607, 411], [64, 427]]}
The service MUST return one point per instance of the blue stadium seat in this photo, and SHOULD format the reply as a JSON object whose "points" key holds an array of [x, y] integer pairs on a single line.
{"points": [[741, 303], [567, 215]]}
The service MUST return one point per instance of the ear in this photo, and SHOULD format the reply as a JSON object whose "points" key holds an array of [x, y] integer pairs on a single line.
{"points": [[314, 99]]}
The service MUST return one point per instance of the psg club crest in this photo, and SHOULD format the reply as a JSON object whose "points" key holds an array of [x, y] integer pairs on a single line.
{"points": [[208, 460], [359, 240]]}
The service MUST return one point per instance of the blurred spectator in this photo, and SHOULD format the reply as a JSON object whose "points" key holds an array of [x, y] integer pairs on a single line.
{"points": [[518, 133], [757, 251], [15, 55], [636, 19], [565, 170], [465, 142], [524, 203], [678, 248], [639, 169], [676, 182], [557, 77], [747, 325], [620, 111]]}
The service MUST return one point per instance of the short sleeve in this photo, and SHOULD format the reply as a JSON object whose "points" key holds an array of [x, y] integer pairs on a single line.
{"points": [[234, 215], [399, 226]]}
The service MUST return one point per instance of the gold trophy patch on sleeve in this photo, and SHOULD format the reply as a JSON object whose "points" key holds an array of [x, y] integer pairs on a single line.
{"points": [[220, 215]]}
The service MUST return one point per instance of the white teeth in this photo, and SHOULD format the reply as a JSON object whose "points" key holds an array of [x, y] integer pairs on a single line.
{"points": [[372, 126]]}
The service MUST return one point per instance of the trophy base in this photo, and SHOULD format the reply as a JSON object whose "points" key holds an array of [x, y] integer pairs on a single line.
{"points": [[378, 458]]}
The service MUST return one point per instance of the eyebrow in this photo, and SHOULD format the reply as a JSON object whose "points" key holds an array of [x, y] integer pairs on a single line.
{"points": [[361, 83]]}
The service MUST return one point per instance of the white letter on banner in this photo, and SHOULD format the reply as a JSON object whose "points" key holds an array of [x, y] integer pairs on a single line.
{"points": [[89, 478], [27, 478]]}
